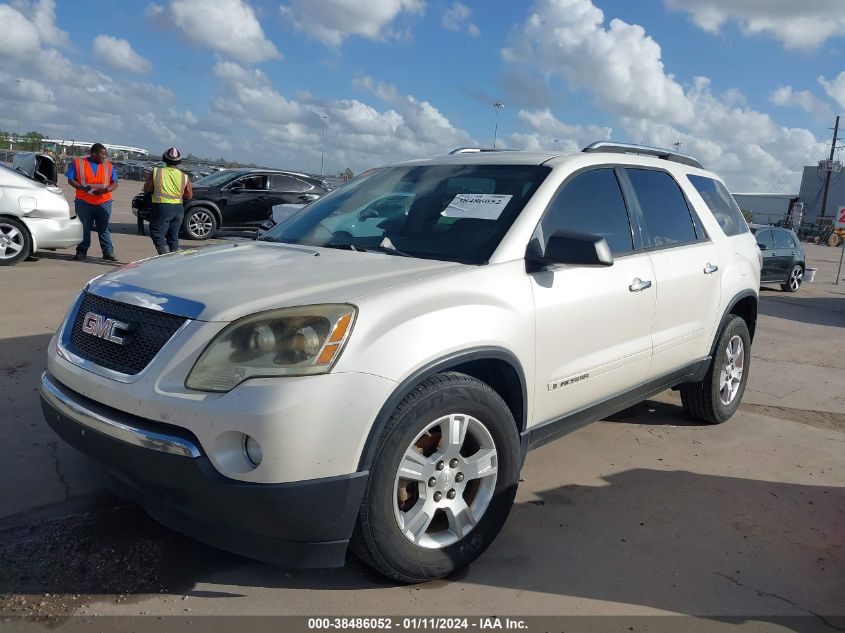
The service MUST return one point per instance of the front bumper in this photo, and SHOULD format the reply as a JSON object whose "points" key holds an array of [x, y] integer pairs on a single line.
{"points": [[164, 469], [52, 233]]}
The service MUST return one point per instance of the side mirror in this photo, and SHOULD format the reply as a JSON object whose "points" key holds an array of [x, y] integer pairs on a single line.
{"points": [[366, 214], [762, 247], [572, 248], [237, 186]]}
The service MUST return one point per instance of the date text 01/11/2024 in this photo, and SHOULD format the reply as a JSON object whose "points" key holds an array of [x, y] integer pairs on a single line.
{"points": [[483, 623]]}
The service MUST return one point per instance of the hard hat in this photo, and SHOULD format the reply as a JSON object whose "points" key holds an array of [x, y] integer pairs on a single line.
{"points": [[172, 156]]}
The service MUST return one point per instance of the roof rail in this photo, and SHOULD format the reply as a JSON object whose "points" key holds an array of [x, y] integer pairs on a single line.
{"points": [[473, 150], [644, 150]]}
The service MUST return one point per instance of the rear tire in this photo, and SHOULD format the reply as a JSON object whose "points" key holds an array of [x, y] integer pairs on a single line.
{"points": [[793, 282], [200, 223], [430, 508], [717, 397], [15, 241]]}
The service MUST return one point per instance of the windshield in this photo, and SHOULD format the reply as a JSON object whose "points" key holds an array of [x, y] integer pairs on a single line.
{"points": [[212, 180], [450, 212]]}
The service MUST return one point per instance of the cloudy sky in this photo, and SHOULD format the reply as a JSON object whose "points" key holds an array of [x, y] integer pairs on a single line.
{"points": [[750, 88]]}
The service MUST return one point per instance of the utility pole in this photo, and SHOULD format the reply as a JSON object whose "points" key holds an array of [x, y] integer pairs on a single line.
{"points": [[498, 105], [829, 167], [18, 82], [323, 144]]}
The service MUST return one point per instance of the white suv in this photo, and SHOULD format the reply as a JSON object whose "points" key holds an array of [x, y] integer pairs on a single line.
{"points": [[320, 387]]}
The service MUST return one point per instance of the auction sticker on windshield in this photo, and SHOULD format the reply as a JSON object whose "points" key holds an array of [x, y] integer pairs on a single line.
{"points": [[478, 206]]}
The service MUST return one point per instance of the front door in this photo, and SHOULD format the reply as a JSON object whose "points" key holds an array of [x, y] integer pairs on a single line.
{"points": [[593, 323], [247, 201], [766, 242]]}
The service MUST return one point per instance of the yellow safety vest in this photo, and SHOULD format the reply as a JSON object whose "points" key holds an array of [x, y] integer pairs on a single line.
{"points": [[168, 185]]}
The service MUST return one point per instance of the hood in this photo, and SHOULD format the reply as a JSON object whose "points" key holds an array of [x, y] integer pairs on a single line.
{"points": [[225, 282]]}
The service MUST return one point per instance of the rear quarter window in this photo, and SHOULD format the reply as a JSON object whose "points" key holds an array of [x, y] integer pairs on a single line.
{"points": [[721, 204]]}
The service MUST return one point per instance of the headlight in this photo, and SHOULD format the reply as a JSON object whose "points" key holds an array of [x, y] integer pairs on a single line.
{"points": [[287, 342]]}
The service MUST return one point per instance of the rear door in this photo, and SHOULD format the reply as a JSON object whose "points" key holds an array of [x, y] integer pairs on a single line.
{"points": [[784, 253], [593, 323], [687, 276], [287, 189], [766, 242]]}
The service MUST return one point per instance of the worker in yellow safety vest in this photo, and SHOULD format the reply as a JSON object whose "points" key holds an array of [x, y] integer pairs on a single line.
{"points": [[171, 188]]}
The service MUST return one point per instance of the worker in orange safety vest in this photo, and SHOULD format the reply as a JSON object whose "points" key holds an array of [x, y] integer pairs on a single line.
{"points": [[94, 179]]}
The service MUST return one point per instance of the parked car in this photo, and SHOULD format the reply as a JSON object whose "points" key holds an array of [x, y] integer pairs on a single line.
{"points": [[784, 261], [238, 199], [34, 214], [331, 385]]}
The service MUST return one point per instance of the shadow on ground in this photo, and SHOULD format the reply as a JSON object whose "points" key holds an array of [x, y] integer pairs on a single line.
{"points": [[828, 311]]}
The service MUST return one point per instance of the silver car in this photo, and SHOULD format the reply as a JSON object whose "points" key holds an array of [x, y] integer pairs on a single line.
{"points": [[34, 214]]}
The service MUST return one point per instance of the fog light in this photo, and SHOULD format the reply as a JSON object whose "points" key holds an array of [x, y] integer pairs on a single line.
{"points": [[252, 450]]}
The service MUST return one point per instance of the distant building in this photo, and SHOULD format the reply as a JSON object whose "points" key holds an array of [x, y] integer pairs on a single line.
{"points": [[75, 148], [812, 192], [765, 208]]}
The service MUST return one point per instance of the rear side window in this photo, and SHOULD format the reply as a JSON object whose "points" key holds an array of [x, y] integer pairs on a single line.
{"points": [[667, 217], [280, 182], [591, 203], [782, 240], [721, 204]]}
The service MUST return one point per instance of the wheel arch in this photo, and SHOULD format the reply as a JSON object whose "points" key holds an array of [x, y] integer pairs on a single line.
{"points": [[208, 205], [497, 367], [743, 305]]}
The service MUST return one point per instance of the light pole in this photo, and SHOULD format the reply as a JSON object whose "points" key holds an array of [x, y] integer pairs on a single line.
{"points": [[677, 145], [323, 144], [18, 81], [498, 105], [555, 142]]}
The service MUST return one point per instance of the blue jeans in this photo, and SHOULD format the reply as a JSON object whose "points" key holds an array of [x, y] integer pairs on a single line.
{"points": [[94, 216], [165, 222]]}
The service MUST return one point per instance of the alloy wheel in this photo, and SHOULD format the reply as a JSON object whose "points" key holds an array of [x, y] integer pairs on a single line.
{"points": [[445, 481], [795, 278], [12, 241], [731, 375], [200, 224]]}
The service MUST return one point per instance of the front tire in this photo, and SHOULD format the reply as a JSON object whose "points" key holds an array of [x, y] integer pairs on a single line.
{"points": [[15, 242], [716, 398], [793, 282], [200, 223], [442, 483]]}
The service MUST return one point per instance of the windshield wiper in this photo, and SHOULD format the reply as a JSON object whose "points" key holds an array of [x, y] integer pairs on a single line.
{"points": [[390, 250]]}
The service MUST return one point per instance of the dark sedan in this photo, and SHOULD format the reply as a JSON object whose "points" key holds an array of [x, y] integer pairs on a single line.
{"points": [[783, 257], [239, 199]]}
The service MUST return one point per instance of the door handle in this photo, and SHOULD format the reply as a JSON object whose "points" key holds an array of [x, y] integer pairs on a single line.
{"points": [[639, 285], [709, 269]]}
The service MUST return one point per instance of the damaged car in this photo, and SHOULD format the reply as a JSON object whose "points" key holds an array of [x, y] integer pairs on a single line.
{"points": [[34, 214]]}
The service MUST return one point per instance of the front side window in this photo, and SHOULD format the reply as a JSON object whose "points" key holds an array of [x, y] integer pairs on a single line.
{"points": [[665, 212], [591, 203], [721, 204], [765, 240], [449, 212], [257, 182]]}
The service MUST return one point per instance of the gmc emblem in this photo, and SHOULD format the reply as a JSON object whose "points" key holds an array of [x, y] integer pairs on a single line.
{"points": [[101, 327]]}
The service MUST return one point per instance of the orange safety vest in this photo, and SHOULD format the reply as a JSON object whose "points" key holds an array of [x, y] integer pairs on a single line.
{"points": [[85, 176]]}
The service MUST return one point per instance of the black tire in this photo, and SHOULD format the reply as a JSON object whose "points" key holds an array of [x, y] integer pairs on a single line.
{"points": [[704, 400], [200, 223], [15, 241], [793, 282], [378, 539]]}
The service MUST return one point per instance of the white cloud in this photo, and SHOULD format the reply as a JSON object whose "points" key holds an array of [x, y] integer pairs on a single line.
{"points": [[835, 88], [118, 55], [547, 128], [787, 96], [332, 21], [797, 24], [456, 16], [620, 68], [229, 27], [26, 27], [619, 65]]}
